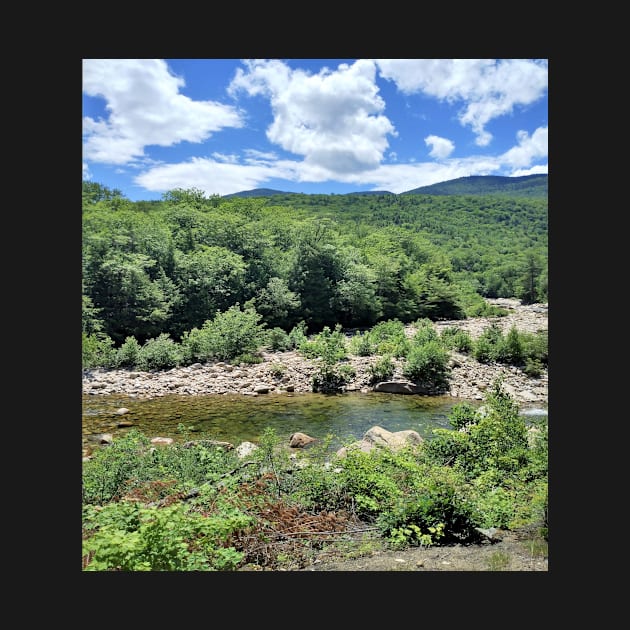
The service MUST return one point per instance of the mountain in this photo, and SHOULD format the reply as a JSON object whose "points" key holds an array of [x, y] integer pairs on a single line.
{"points": [[525, 186], [257, 192], [532, 186], [370, 192]]}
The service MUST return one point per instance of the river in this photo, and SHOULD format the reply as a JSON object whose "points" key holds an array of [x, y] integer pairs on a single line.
{"points": [[237, 418]]}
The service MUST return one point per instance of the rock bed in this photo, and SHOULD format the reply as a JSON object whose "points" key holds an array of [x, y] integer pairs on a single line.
{"points": [[290, 372]]}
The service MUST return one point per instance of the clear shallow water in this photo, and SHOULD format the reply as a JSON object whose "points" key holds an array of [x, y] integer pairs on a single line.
{"points": [[239, 418]]}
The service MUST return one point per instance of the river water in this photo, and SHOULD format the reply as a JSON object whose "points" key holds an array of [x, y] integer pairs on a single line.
{"points": [[237, 418]]}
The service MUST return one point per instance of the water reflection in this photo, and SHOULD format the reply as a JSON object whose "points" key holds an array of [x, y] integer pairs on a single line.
{"points": [[238, 418]]}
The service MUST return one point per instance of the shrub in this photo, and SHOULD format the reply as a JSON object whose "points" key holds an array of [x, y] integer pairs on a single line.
{"points": [[456, 339], [462, 415], [328, 345], [425, 332], [106, 475], [487, 346], [278, 370], [447, 448], [97, 350], [330, 379], [510, 348], [297, 335], [361, 346], [159, 354], [435, 509], [533, 368], [278, 340], [499, 438], [231, 335], [130, 537], [428, 364], [536, 347], [382, 369], [128, 355]]}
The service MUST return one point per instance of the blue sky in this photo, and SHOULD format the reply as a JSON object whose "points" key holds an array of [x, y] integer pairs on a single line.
{"points": [[310, 125]]}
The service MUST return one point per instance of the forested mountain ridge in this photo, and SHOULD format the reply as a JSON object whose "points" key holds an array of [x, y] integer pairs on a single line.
{"points": [[530, 186], [525, 186], [166, 267]]}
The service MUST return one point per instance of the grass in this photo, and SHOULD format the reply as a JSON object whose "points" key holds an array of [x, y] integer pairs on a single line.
{"points": [[498, 561]]}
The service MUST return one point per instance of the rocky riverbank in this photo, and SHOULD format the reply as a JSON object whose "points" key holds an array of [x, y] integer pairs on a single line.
{"points": [[291, 372]]}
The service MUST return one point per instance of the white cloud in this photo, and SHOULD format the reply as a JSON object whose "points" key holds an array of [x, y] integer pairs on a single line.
{"points": [[86, 172], [529, 149], [226, 175], [440, 147], [333, 119], [487, 88], [145, 107], [534, 170], [213, 177]]}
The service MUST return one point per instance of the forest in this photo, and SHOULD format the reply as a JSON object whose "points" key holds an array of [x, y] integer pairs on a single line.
{"points": [[165, 267]]}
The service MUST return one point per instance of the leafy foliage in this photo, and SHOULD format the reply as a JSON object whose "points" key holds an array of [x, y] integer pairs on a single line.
{"points": [[194, 506], [167, 266]]}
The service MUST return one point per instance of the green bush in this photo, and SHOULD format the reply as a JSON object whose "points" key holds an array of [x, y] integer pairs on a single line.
{"points": [[114, 468], [494, 505], [297, 335], [510, 349], [434, 509], [231, 335], [389, 338], [427, 364], [499, 438], [360, 345], [462, 415], [330, 378], [457, 339], [278, 340], [329, 345], [425, 332], [130, 537], [448, 448], [128, 355], [97, 350], [536, 347], [533, 368], [488, 345], [367, 484], [160, 353], [382, 369]]}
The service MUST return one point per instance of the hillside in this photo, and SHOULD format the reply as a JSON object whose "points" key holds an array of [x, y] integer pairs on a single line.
{"points": [[533, 186], [526, 186]]}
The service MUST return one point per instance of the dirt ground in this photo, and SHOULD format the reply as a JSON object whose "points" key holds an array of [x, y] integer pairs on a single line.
{"points": [[516, 551]]}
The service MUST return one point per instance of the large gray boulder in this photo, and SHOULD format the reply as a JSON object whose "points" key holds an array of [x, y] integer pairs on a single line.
{"points": [[378, 437], [399, 387]]}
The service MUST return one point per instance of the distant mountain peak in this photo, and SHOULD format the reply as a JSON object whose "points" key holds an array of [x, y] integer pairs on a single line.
{"points": [[523, 186]]}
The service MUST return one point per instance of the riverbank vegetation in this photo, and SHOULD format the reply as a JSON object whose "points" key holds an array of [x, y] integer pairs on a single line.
{"points": [[195, 506], [237, 336]]}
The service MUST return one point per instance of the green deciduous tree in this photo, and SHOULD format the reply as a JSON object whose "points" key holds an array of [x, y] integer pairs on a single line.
{"points": [[209, 279]]}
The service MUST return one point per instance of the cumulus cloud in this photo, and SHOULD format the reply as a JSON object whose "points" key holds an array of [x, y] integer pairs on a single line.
{"points": [[333, 122], [529, 149], [440, 147], [212, 176], [333, 118], [144, 107], [486, 88]]}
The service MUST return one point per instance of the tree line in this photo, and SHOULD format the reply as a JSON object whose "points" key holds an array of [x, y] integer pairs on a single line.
{"points": [[166, 267]]}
